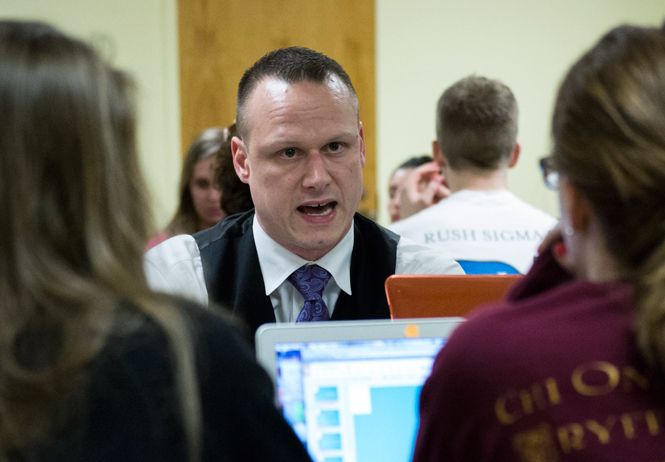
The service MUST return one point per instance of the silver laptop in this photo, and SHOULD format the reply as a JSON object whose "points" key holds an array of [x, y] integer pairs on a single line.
{"points": [[350, 389]]}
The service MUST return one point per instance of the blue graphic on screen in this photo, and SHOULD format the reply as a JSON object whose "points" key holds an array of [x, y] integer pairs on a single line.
{"points": [[327, 394], [330, 441], [393, 410], [328, 419], [394, 376]]}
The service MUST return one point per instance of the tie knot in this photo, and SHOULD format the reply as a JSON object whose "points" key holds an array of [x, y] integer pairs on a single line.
{"points": [[310, 280]]}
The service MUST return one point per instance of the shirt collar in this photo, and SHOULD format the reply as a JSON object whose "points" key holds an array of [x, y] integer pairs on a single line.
{"points": [[277, 263]]}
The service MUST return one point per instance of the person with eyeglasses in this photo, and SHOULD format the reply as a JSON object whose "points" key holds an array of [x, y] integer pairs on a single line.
{"points": [[570, 367], [476, 220]]}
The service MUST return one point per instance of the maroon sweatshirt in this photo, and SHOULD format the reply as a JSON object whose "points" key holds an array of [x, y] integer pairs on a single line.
{"points": [[550, 374]]}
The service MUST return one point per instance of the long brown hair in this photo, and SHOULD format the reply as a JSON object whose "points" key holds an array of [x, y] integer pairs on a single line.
{"points": [[609, 142], [73, 229], [206, 145]]}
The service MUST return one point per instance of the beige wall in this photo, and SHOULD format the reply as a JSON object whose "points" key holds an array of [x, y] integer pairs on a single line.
{"points": [[424, 46], [139, 36]]}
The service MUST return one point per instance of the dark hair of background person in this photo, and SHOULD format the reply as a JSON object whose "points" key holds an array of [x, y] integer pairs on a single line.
{"points": [[396, 183], [476, 124], [415, 161], [206, 145], [236, 197], [291, 65], [609, 142], [72, 235]]}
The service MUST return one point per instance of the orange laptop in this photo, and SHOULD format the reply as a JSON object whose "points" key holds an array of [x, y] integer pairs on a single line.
{"points": [[444, 295]]}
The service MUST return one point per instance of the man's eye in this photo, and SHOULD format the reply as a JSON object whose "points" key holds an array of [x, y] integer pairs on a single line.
{"points": [[290, 152], [335, 146]]}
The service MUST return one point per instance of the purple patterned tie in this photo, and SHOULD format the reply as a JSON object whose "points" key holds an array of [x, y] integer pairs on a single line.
{"points": [[310, 280]]}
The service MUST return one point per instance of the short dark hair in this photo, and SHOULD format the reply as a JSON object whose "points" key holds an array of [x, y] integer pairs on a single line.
{"points": [[416, 161], [292, 65], [476, 124]]}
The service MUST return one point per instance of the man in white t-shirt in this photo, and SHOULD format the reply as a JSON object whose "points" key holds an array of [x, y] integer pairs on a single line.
{"points": [[481, 224]]}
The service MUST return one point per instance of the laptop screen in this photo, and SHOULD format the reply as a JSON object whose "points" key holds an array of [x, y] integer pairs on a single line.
{"points": [[355, 400]]}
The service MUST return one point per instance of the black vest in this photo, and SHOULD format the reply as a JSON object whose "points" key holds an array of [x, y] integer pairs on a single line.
{"points": [[233, 275]]}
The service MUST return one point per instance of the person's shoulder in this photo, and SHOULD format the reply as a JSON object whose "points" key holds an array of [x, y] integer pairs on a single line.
{"points": [[173, 250], [133, 322], [415, 258], [135, 379], [204, 318], [368, 227], [214, 334], [175, 267], [231, 227], [530, 210], [518, 322], [433, 214], [489, 343], [406, 225], [215, 329], [525, 338]]}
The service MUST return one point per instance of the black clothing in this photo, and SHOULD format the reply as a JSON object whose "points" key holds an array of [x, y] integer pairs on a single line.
{"points": [[132, 412], [233, 275]]}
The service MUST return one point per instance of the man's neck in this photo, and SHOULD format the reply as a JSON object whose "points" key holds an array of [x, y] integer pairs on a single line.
{"points": [[458, 180]]}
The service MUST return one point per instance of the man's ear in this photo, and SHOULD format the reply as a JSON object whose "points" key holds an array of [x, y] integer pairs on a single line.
{"points": [[240, 160], [515, 155], [362, 145], [437, 154], [578, 207]]}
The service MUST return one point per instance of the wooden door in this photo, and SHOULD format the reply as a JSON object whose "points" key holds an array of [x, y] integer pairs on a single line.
{"points": [[220, 39]]}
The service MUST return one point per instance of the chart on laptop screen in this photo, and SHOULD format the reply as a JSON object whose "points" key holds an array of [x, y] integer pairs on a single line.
{"points": [[355, 401]]}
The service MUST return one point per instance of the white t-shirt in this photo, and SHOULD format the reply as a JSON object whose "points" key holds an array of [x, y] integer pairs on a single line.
{"points": [[481, 226], [175, 267]]}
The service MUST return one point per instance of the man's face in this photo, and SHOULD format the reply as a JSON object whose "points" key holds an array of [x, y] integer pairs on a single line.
{"points": [[302, 156]]}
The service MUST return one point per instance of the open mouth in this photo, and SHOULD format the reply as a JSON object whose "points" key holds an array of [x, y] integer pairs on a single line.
{"points": [[318, 210]]}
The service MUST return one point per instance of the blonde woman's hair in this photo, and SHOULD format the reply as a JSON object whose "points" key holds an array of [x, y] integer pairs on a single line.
{"points": [[72, 233], [609, 142]]}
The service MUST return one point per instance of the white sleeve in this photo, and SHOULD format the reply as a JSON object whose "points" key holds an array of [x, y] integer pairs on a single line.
{"points": [[414, 258], [175, 267]]}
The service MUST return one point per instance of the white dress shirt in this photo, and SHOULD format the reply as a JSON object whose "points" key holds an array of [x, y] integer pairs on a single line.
{"points": [[277, 264], [174, 266]]}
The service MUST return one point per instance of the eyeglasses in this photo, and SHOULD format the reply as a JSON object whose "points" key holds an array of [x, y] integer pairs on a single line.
{"points": [[550, 175]]}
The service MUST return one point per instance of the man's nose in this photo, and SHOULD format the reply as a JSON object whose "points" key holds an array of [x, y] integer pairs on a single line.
{"points": [[316, 174]]}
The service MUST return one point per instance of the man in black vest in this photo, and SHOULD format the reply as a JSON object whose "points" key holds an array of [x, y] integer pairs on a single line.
{"points": [[303, 253]]}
